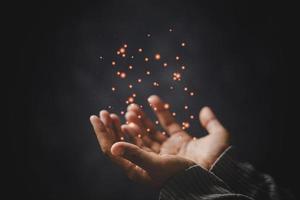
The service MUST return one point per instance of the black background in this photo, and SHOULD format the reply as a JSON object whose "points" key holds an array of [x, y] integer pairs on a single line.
{"points": [[238, 54]]}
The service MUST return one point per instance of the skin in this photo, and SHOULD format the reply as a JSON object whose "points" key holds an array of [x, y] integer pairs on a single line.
{"points": [[152, 157]]}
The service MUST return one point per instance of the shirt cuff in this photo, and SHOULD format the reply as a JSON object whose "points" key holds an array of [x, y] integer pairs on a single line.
{"points": [[194, 182], [240, 177]]}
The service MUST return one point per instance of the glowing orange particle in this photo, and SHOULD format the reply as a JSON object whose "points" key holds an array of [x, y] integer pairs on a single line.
{"points": [[113, 89], [130, 67], [157, 56], [192, 94], [113, 63], [130, 99], [122, 50], [186, 107], [174, 114], [155, 84], [165, 64], [122, 112], [185, 89], [130, 86], [134, 95], [118, 73], [123, 75], [148, 129], [125, 45], [192, 116], [140, 49], [185, 124], [156, 122], [146, 59], [122, 138], [183, 67], [123, 55], [139, 80], [166, 106], [164, 133], [183, 44], [176, 76], [148, 72], [118, 52], [139, 116], [177, 57]]}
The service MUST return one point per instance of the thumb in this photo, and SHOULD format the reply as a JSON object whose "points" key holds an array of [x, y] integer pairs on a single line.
{"points": [[144, 159], [210, 122]]}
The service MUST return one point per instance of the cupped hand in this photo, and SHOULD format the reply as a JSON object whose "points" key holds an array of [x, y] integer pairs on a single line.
{"points": [[204, 150], [140, 163]]}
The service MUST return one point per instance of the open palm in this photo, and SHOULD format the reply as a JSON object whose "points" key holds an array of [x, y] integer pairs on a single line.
{"points": [[204, 151]]}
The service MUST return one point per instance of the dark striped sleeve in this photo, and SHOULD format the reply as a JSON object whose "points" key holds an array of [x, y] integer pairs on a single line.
{"points": [[244, 179], [226, 180], [196, 183]]}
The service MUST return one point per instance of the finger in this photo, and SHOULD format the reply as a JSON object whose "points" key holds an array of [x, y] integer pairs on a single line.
{"points": [[105, 118], [108, 123], [210, 122], [135, 131], [167, 121], [135, 138], [136, 155], [104, 138], [116, 124], [147, 123], [137, 116]]}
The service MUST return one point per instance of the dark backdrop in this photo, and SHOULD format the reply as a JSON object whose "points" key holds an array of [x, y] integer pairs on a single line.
{"points": [[239, 64]]}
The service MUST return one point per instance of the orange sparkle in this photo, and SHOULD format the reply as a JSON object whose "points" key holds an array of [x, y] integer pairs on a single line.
{"points": [[139, 116], [134, 95], [146, 59], [186, 107], [164, 133], [125, 45], [123, 55], [122, 112], [156, 122], [121, 138], [177, 57], [122, 50], [183, 44], [174, 114], [130, 86], [140, 49], [176, 76], [155, 84], [118, 73], [113, 89], [130, 67], [192, 94], [183, 67], [185, 89], [139, 80], [113, 63], [130, 99], [185, 124], [148, 130], [166, 106], [157, 56], [148, 72], [118, 52], [165, 64], [192, 116], [123, 75]]}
